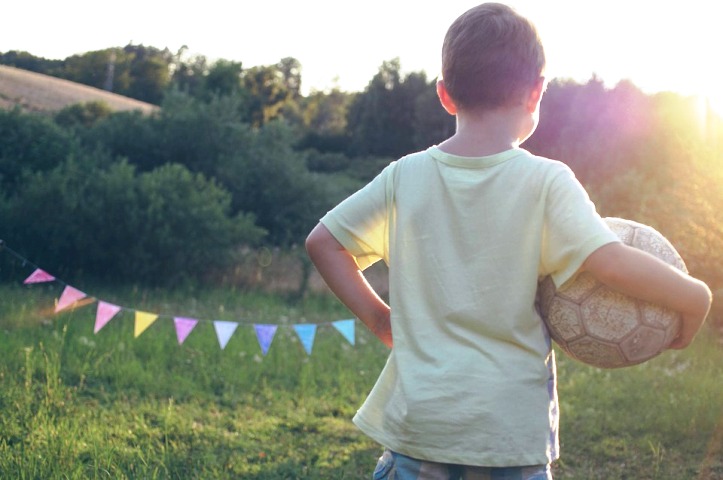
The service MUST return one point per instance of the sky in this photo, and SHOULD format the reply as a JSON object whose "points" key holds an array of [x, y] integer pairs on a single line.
{"points": [[659, 46]]}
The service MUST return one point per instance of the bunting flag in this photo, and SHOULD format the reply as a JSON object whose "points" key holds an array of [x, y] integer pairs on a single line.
{"points": [[224, 330], [39, 276], [68, 298], [184, 327], [106, 311], [306, 333], [265, 335], [143, 321], [346, 328]]}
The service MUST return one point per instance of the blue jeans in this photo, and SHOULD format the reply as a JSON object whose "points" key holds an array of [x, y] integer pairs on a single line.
{"points": [[395, 466]]}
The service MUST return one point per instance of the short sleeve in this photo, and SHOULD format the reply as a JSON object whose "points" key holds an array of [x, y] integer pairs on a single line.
{"points": [[361, 222], [572, 228]]}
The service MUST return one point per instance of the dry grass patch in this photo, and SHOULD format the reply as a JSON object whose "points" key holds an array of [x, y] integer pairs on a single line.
{"points": [[35, 92]]}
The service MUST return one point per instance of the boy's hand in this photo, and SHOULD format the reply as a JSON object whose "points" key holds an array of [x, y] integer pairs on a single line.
{"points": [[689, 327]]}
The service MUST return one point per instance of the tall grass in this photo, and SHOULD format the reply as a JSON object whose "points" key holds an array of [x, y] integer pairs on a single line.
{"points": [[78, 405]]}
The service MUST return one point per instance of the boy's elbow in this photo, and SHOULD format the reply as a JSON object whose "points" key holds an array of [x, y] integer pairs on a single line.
{"points": [[603, 263], [312, 241], [319, 240], [702, 299]]}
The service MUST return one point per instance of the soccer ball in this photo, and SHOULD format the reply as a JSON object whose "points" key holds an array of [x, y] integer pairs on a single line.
{"points": [[604, 328]]}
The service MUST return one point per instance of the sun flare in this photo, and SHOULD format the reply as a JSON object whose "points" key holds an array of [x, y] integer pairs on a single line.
{"points": [[715, 104]]}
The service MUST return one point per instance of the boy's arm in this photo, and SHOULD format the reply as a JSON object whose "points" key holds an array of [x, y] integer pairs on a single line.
{"points": [[641, 275], [341, 273]]}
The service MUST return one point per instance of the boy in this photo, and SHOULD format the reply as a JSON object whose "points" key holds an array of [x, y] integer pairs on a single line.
{"points": [[467, 228]]}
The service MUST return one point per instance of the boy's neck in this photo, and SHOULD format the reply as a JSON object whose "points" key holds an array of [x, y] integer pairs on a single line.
{"points": [[489, 132]]}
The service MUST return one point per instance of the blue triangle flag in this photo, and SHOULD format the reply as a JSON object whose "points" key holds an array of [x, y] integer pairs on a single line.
{"points": [[306, 333], [346, 328]]}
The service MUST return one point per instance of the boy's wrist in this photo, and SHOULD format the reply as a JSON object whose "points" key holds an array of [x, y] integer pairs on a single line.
{"points": [[380, 326]]}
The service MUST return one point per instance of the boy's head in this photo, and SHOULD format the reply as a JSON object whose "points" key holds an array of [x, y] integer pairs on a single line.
{"points": [[490, 57]]}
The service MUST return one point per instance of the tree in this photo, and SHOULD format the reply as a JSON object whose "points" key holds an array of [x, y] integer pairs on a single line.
{"points": [[139, 72], [432, 123], [325, 113], [223, 78], [369, 121], [290, 69], [92, 69], [29, 143], [394, 115], [186, 130], [150, 72], [269, 179], [127, 134], [269, 91], [576, 121], [28, 61], [189, 75], [198, 134]]}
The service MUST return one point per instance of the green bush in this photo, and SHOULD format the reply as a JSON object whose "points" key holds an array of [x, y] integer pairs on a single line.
{"points": [[83, 115], [29, 143], [113, 223], [270, 179], [131, 135]]}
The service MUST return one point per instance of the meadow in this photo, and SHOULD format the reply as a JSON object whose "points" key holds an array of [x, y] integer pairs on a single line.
{"points": [[80, 405]]}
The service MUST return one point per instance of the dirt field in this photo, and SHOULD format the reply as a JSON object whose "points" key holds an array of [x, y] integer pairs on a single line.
{"points": [[34, 92]]}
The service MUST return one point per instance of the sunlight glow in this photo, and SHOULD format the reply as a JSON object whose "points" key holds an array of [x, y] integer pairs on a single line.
{"points": [[715, 103]]}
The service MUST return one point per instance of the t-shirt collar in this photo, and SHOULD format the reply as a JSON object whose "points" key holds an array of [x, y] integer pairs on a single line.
{"points": [[473, 162]]}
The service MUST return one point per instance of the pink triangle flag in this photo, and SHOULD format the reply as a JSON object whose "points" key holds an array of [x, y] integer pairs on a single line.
{"points": [[224, 330], [39, 276], [184, 327], [346, 328], [105, 312], [265, 335], [69, 296], [306, 333]]}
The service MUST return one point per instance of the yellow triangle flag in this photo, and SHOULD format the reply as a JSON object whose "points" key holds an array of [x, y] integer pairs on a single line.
{"points": [[143, 321]]}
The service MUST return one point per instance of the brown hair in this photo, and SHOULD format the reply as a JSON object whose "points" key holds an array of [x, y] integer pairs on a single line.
{"points": [[490, 55]]}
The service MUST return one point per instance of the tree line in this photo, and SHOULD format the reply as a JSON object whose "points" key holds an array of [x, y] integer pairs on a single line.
{"points": [[239, 158]]}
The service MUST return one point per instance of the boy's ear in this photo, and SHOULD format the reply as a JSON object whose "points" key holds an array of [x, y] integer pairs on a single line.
{"points": [[445, 99], [533, 101]]}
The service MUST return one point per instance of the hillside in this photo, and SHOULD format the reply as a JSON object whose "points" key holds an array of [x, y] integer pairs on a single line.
{"points": [[35, 92]]}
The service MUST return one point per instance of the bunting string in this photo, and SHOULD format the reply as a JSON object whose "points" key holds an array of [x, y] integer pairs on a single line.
{"points": [[71, 297]]}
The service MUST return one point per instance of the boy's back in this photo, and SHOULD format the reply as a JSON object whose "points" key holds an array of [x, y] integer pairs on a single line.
{"points": [[467, 240]]}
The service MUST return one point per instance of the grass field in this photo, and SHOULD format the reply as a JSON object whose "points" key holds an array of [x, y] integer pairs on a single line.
{"points": [[78, 405]]}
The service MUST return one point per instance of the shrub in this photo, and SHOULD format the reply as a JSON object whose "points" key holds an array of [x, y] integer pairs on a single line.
{"points": [[29, 143], [156, 227]]}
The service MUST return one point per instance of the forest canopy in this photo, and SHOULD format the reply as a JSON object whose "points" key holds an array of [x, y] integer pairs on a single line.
{"points": [[237, 158]]}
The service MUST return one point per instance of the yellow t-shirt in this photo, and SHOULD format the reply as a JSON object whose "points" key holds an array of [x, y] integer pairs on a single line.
{"points": [[471, 377]]}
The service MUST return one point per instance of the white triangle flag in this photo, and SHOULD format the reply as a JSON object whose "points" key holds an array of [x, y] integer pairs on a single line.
{"points": [[224, 330]]}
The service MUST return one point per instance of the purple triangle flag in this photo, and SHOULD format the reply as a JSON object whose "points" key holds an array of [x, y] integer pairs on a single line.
{"points": [[224, 330], [184, 327], [346, 328], [69, 296], [103, 315], [306, 333], [39, 276], [265, 335]]}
